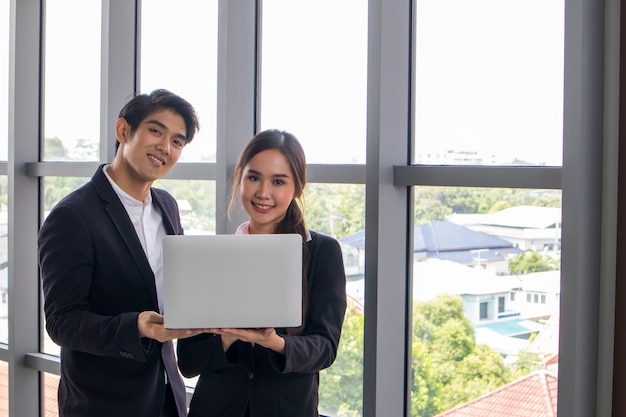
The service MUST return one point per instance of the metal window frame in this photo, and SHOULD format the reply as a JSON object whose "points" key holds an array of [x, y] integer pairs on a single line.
{"points": [[587, 179]]}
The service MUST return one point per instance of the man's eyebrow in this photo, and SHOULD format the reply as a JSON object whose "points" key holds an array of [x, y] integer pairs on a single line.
{"points": [[162, 126]]}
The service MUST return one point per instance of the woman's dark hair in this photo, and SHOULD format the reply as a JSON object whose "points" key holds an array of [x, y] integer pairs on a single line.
{"points": [[293, 222], [143, 105]]}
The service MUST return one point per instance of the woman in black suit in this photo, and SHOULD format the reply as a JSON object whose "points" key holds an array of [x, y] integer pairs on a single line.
{"points": [[272, 372]]}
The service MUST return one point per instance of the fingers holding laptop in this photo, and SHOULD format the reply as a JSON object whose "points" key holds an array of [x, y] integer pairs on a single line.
{"points": [[266, 337], [150, 324]]}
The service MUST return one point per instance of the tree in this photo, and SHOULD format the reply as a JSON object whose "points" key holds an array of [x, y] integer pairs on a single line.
{"points": [[531, 261], [447, 366], [200, 195], [54, 149], [341, 385], [55, 188], [450, 368], [337, 210]]}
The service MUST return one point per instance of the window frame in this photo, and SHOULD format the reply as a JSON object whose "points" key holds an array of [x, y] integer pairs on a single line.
{"points": [[587, 179]]}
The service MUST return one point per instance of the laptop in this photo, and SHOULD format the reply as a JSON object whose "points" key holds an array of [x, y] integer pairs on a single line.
{"points": [[237, 281]]}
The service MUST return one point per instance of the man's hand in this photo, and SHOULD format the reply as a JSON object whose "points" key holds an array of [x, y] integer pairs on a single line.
{"points": [[150, 324]]}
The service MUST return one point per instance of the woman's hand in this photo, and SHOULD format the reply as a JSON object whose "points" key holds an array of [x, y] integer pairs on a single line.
{"points": [[266, 337]]}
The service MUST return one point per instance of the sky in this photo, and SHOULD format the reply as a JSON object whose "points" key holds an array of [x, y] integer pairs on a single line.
{"points": [[489, 74]]}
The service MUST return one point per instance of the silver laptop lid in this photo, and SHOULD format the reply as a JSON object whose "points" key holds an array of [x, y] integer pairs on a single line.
{"points": [[246, 281]]}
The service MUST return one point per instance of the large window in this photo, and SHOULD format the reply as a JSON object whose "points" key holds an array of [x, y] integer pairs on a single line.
{"points": [[472, 249], [416, 117], [72, 81], [314, 68], [179, 53], [489, 82]]}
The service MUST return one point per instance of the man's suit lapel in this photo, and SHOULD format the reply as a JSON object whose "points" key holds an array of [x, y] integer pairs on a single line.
{"points": [[125, 229], [166, 212]]}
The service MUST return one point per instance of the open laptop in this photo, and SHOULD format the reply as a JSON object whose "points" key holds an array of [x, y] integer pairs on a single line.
{"points": [[245, 281]]}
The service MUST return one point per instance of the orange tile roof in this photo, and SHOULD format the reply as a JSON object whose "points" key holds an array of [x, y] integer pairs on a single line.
{"points": [[51, 382], [534, 395]]}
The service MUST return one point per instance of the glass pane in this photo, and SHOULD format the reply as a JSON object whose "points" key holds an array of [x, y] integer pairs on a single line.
{"points": [[314, 75], [338, 210], [481, 260], [184, 61], [489, 82], [4, 79], [4, 262], [50, 386], [55, 188], [196, 204], [72, 80]]}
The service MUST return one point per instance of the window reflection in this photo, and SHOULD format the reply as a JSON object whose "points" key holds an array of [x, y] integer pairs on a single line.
{"points": [[72, 81], [192, 72], [486, 290], [314, 80]]}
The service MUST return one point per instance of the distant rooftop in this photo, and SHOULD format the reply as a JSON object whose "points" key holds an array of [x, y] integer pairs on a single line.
{"points": [[446, 240], [524, 217], [534, 395]]}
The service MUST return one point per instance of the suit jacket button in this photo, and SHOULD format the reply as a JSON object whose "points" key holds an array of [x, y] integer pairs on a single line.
{"points": [[250, 375]]}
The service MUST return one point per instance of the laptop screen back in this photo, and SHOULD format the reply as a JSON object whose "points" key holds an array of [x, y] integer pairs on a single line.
{"points": [[244, 281]]}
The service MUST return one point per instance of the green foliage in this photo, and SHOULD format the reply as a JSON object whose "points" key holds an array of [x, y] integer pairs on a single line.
{"points": [[532, 261], [438, 203], [54, 149], [481, 371], [337, 210], [447, 366], [341, 385], [526, 363], [200, 195], [55, 188]]}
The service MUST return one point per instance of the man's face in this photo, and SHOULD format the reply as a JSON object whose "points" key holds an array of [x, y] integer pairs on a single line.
{"points": [[155, 145]]}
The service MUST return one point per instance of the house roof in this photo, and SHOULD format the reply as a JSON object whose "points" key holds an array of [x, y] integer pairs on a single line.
{"points": [[546, 344], [545, 281], [534, 395], [446, 240], [51, 382], [528, 217], [433, 277]]}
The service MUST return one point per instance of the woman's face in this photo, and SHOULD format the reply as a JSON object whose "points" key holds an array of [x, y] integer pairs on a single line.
{"points": [[266, 190]]}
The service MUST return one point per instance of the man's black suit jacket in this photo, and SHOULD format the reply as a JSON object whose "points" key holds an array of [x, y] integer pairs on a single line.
{"points": [[96, 279]]}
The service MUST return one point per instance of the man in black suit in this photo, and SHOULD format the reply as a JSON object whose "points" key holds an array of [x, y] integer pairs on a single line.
{"points": [[101, 266]]}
